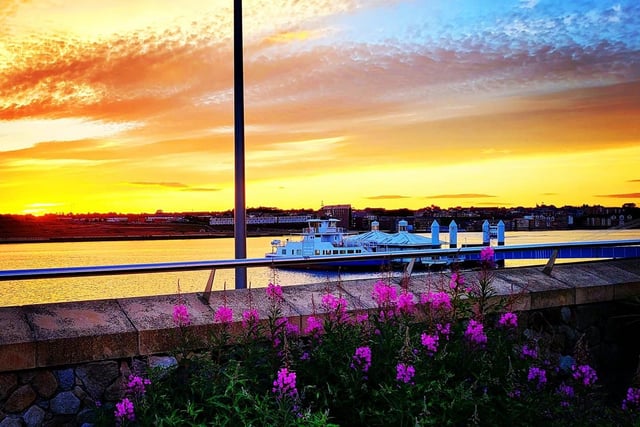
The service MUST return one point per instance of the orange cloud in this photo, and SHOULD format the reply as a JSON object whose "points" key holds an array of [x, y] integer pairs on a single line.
{"points": [[459, 196], [387, 197], [620, 196]]}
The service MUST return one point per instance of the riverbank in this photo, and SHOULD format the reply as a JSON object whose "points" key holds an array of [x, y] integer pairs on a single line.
{"points": [[38, 230]]}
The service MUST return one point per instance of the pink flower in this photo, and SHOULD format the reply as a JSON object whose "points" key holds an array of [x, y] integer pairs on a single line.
{"points": [[362, 318], [437, 300], [332, 303], [508, 320], [137, 385], [405, 373], [362, 359], [292, 329], [528, 352], [181, 315], [632, 400], [250, 317], [444, 330], [124, 410], [586, 374], [314, 326], [406, 304], [384, 294], [537, 375], [456, 281], [487, 254], [285, 384], [475, 332], [430, 342], [223, 315], [274, 293]]}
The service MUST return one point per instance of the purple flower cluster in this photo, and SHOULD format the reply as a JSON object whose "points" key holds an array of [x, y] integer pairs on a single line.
{"points": [[274, 293], [250, 317], [632, 400], [586, 374], [528, 352], [537, 375], [332, 303], [124, 410], [405, 373], [136, 385], [362, 359], [314, 326], [361, 318], [383, 294], [456, 281], [436, 300], [430, 342], [508, 320], [181, 315], [285, 384], [475, 333], [406, 304], [444, 330], [487, 254], [566, 392], [223, 315]]}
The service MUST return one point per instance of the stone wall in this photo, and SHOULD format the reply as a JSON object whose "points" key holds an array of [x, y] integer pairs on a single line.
{"points": [[67, 396]]}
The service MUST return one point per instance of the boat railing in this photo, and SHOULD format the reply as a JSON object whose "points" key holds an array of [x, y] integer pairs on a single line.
{"points": [[213, 265]]}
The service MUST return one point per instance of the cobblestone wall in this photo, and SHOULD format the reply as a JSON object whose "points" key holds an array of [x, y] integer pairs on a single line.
{"points": [[66, 396]]}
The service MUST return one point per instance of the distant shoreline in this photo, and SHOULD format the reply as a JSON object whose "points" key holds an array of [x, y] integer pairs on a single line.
{"points": [[67, 239]]}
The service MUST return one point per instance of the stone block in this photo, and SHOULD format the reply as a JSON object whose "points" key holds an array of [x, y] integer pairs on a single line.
{"points": [[626, 290], [552, 298], [17, 342], [77, 332], [152, 318]]}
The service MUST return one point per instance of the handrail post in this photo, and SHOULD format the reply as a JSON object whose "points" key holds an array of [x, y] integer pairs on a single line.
{"points": [[206, 295], [550, 263]]}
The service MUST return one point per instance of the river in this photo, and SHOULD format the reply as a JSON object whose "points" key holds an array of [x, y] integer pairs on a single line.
{"points": [[75, 254]]}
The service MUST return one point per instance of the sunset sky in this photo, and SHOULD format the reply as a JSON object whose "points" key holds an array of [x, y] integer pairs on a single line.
{"points": [[127, 105]]}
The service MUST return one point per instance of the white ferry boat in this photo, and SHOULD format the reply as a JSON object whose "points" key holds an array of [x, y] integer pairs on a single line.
{"points": [[322, 238]]}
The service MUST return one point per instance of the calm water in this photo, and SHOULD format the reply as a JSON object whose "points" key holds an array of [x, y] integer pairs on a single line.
{"points": [[47, 255]]}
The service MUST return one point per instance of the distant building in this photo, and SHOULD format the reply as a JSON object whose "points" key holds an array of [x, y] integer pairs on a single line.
{"points": [[341, 212]]}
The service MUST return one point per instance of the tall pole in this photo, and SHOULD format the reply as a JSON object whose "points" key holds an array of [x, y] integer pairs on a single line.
{"points": [[240, 214]]}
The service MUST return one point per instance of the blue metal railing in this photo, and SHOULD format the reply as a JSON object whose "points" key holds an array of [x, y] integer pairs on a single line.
{"points": [[472, 252]]}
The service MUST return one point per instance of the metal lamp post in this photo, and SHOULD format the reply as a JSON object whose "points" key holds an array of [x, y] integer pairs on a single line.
{"points": [[240, 223]]}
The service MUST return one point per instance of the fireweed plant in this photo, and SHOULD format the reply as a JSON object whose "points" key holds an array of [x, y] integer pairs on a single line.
{"points": [[452, 356]]}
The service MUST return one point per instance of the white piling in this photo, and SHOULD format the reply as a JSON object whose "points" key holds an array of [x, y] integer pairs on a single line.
{"points": [[453, 234], [435, 235]]}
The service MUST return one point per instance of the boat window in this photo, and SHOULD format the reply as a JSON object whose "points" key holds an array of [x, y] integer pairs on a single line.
{"points": [[317, 252], [284, 252], [342, 251], [335, 252], [350, 251]]}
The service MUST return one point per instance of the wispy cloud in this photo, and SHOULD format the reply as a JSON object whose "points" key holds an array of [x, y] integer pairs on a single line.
{"points": [[387, 197], [620, 196], [160, 184], [197, 189], [459, 196]]}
